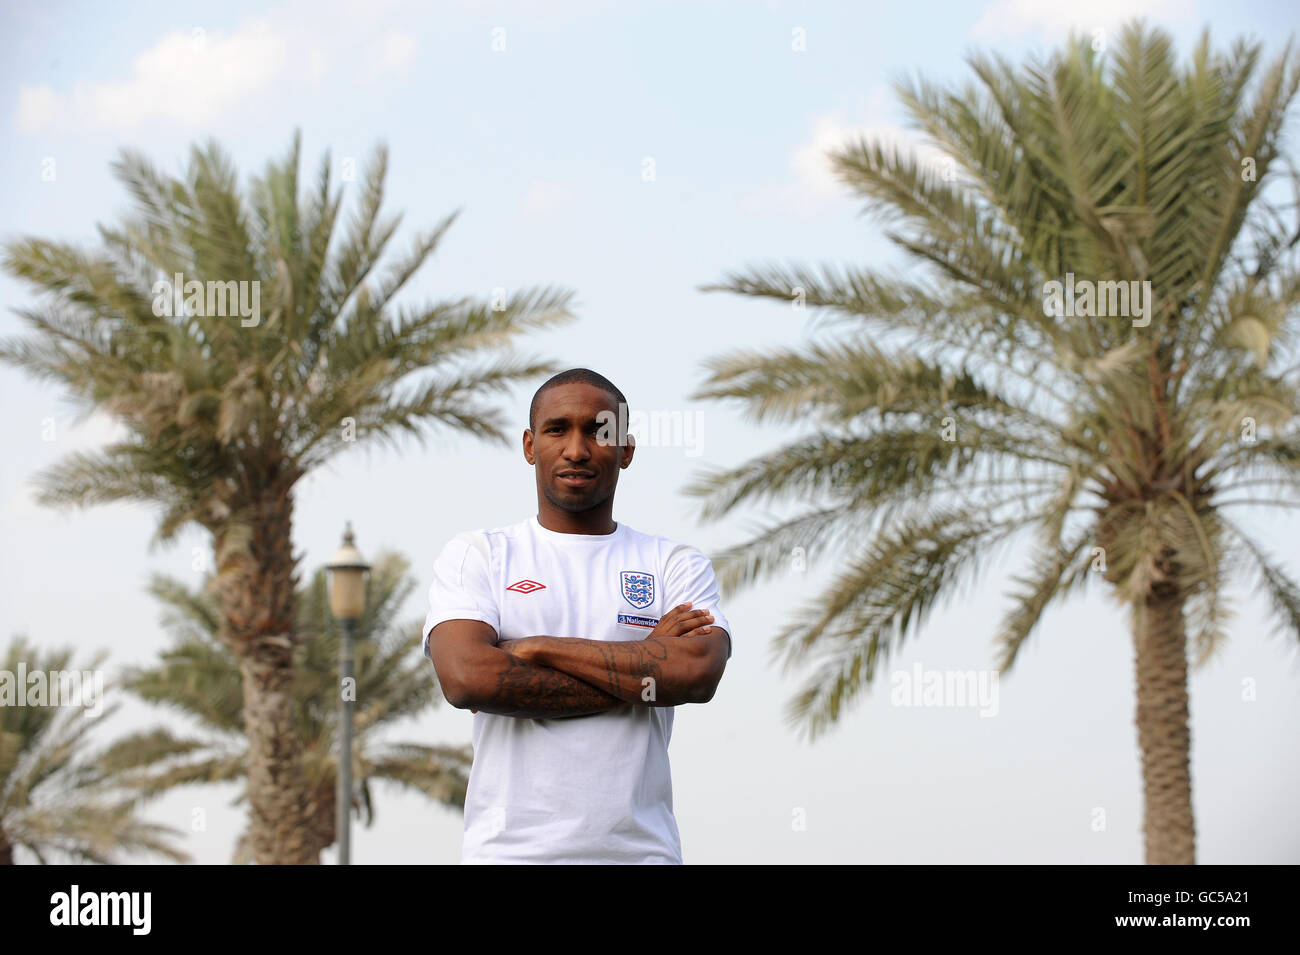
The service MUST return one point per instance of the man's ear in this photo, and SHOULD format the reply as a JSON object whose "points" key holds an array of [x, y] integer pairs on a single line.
{"points": [[628, 449], [528, 446]]}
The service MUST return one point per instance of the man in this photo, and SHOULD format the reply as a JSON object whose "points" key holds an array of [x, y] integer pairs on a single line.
{"points": [[572, 637]]}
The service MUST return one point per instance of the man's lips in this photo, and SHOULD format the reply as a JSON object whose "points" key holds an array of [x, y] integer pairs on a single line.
{"points": [[576, 478]]}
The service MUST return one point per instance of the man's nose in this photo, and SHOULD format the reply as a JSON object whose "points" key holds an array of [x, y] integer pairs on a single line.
{"points": [[576, 450]]}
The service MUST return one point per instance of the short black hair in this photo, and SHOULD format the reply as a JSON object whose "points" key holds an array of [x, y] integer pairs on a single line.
{"points": [[575, 375]]}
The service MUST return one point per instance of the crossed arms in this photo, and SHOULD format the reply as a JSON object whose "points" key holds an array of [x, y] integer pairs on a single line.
{"points": [[544, 677]]}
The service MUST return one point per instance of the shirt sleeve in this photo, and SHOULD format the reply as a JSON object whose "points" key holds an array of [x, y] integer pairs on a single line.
{"points": [[689, 578], [462, 586]]}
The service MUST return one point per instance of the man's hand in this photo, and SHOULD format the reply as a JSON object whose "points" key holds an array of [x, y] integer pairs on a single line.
{"points": [[679, 623], [521, 647], [682, 623]]}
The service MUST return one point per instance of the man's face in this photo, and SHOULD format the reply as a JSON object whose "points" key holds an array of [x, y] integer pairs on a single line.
{"points": [[574, 470]]}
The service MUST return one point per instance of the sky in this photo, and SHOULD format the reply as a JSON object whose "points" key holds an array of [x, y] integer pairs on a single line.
{"points": [[539, 122]]}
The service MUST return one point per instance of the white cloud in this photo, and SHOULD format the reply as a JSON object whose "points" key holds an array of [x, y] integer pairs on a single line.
{"points": [[37, 106], [1053, 19], [396, 50], [390, 52], [187, 78], [546, 196], [192, 78], [813, 184]]}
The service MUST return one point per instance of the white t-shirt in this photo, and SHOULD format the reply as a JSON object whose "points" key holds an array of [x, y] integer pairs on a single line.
{"points": [[590, 789]]}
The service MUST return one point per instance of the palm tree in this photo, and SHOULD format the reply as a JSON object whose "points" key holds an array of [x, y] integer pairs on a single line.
{"points": [[199, 678], [226, 414], [57, 799], [960, 410]]}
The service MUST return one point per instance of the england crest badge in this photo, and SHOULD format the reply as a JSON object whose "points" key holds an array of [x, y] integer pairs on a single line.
{"points": [[638, 588]]}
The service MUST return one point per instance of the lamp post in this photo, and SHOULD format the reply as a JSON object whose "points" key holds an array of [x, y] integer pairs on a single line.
{"points": [[348, 602]]}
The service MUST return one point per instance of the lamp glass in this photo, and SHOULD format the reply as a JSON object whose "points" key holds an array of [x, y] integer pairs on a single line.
{"points": [[348, 593]]}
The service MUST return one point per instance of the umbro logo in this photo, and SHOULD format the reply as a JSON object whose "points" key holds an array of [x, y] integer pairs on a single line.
{"points": [[526, 586]]}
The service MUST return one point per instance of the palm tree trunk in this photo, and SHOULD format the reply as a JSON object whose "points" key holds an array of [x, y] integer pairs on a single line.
{"points": [[280, 809], [1163, 733], [259, 625], [325, 831]]}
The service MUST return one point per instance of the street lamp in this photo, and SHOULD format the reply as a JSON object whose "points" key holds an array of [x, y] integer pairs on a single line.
{"points": [[348, 602]]}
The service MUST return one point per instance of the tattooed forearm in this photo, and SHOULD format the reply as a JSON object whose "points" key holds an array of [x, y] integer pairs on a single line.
{"points": [[528, 690], [636, 671], [627, 665]]}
